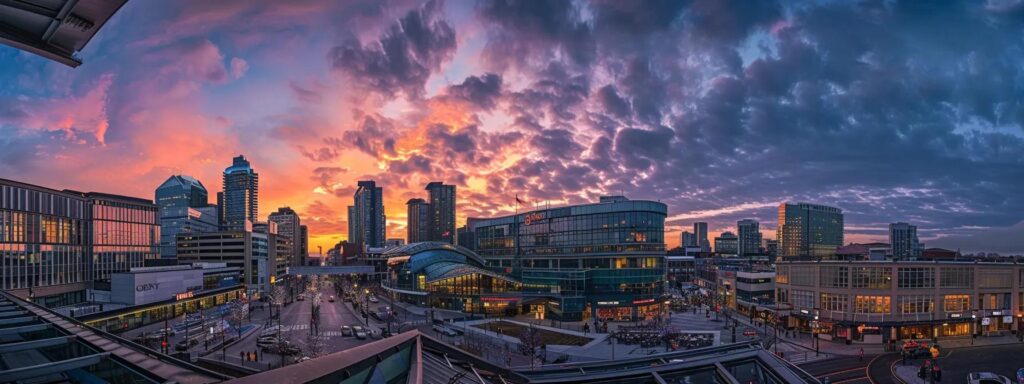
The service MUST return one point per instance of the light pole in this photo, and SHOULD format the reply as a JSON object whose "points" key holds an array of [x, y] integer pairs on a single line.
{"points": [[974, 319], [814, 331]]}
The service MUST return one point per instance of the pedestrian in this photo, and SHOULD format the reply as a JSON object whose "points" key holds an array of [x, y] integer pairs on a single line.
{"points": [[241, 355], [860, 355]]}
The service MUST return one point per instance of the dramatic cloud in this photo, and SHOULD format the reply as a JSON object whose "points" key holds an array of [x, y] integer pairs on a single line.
{"points": [[892, 111]]}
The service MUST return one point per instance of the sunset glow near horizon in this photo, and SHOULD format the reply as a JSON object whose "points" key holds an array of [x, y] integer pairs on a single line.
{"points": [[720, 109]]}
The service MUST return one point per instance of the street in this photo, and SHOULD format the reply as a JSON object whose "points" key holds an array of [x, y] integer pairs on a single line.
{"points": [[845, 369]]}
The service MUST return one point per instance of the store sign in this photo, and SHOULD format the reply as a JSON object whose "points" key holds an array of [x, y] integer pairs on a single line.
{"points": [[955, 315], [499, 299], [643, 301], [184, 295], [147, 287], [607, 303], [986, 320], [1007, 319], [532, 217], [997, 313]]}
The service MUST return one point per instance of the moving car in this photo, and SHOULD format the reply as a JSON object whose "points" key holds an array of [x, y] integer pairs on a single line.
{"points": [[360, 332], [331, 299], [987, 378], [346, 330]]}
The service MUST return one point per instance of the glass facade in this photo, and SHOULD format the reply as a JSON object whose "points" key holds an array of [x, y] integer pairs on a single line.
{"points": [[241, 195], [125, 232], [43, 237], [54, 243], [612, 251], [809, 230], [184, 208]]}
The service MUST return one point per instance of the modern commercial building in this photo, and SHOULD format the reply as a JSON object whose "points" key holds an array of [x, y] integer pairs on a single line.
{"points": [[903, 239], [367, 224], [259, 255], [883, 301], [418, 228], [700, 231], [726, 244], [749, 237], [289, 225], [680, 270], [240, 205], [125, 232], [863, 251], [55, 244], [147, 285], [604, 260], [184, 208], [442, 212], [809, 230], [687, 239]]}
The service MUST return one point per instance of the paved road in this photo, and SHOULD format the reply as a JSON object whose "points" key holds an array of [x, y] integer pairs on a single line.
{"points": [[845, 369]]}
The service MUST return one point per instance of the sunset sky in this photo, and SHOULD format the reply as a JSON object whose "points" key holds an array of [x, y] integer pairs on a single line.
{"points": [[721, 109]]}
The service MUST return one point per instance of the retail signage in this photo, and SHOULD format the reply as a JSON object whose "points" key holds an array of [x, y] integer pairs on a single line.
{"points": [[607, 303], [147, 287], [986, 320], [501, 299], [1007, 319], [997, 313], [533, 217], [955, 315], [183, 295], [643, 301]]}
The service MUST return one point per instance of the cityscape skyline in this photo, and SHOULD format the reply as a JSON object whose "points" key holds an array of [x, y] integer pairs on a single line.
{"points": [[564, 129]]}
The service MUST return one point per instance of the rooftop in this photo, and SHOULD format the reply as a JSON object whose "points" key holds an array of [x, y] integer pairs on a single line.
{"points": [[54, 29]]}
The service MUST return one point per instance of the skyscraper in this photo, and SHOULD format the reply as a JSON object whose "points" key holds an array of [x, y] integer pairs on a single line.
{"points": [[687, 240], [241, 195], [418, 228], [289, 225], [903, 240], [700, 230], [749, 233], [367, 224], [442, 212], [184, 208], [809, 230], [304, 243]]}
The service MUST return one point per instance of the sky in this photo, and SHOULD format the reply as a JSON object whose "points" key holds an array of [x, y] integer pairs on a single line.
{"points": [[892, 111]]}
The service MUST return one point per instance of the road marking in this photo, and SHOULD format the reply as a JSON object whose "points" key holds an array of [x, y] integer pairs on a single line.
{"points": [[838, 372], [867, 368]]}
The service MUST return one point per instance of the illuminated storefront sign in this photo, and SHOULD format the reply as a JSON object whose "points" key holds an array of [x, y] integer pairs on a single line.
{"points": [[643, 301], [530, 218], [500, 299], [184, 295], [607, 303]]}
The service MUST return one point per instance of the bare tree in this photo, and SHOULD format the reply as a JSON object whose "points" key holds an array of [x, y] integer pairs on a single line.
{"points": [[314, 346], [237, 312]]}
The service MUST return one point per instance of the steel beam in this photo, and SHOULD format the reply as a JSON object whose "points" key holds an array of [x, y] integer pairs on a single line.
{"points": [[24, 373], [34, 344]]}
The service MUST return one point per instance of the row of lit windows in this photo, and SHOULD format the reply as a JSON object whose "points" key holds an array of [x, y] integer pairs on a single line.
{"points": [[21, 199]]}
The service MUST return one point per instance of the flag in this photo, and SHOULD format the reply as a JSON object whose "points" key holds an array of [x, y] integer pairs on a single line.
{"points": [[520, 201]]}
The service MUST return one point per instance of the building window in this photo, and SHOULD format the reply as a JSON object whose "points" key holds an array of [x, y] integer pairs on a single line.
{"points": [[956, 303], [835, 302], [916, 304], [835, 277], [872, 277], [802, 276], [803, 299], [872, 304], [995, 278], [956, 277], [782, 275], [915, 277]]}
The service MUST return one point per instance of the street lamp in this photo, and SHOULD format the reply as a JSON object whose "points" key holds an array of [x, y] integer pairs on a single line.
{"points": [[974, 319], [814, 331]]}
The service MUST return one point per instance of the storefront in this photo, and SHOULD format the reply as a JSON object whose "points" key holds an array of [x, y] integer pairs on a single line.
{"points": [[613, 310], [996, 322], [499, 306], [647, 309], [128, 318]]}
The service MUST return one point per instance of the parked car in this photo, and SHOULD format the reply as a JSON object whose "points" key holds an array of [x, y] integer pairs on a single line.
{"points": [[346, 330], [987, 378], [360, 332]]}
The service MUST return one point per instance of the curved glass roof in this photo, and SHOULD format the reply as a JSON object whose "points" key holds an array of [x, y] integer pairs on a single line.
{"points": [[449, 251], [446, 269]]}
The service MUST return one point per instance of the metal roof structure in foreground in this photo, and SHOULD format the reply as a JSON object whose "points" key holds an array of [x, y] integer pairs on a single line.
{"points": [[38, 345], [54, 29], [412, 357]]}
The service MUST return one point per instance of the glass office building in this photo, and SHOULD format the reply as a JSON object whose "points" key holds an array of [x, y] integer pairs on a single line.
{"points": [[55, 244], [184, 208], [240, 201], [809, 230], [603, 260]]}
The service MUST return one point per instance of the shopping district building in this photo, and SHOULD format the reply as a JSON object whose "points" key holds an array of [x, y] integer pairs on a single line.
{"points": [[883, 301], [603, 260]]}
